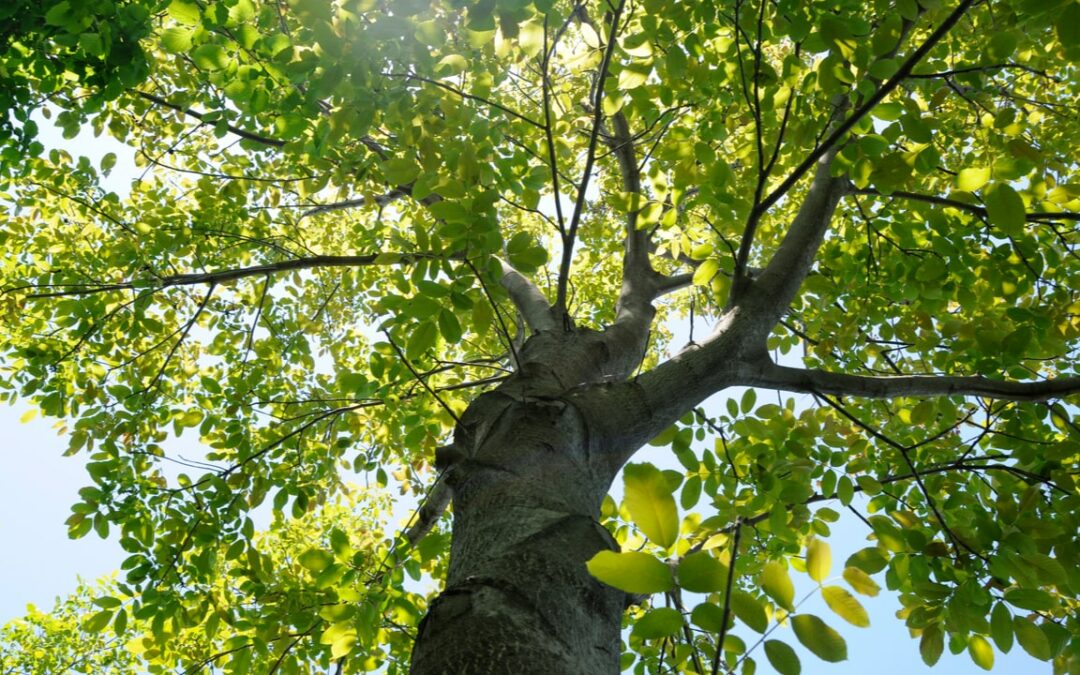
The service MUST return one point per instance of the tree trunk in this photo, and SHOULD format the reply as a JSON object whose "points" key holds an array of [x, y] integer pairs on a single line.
{"points": [[528, 480]]}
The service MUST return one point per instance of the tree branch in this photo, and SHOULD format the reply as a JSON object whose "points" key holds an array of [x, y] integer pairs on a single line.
{"points": [[771, 293], [811, 381], [975, 209], [236, 131], [590, 158], [884, 90], [465, 95], [377, 200], [221, 276], [527, 298], [638, 289]]}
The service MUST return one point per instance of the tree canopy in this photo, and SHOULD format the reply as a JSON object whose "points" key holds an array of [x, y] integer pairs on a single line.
{"points": [[353, 217]]}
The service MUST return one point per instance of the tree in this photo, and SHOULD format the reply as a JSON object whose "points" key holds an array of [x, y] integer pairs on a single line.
{"points": [[437, 243]]}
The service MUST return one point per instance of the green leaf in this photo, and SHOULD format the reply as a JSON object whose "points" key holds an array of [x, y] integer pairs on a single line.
{"points": [[316, 560], [185, 12], [708, 616], [1002, 44], [422, 339], [749, 398], [658, 623], [861, 581], [846, 606], [819, 638], [981, 652], [531, 37], [845, 490], [1030, 598], [449, 327], [176, 40], [91, 44], [748, 610], [818, 560], [97, 621], [400, 170], [972, 178], [776, 583], [870, 560], [58, 14], [1049, 571], [706, 271], [341, 637], [1005, 210], [633, 76], [633, 572], [782, 657], [1001, 627], [649, 500], [1068, 25], [210, 57], [700, 572], [931, 644], [450, 65], [1032, 639]]}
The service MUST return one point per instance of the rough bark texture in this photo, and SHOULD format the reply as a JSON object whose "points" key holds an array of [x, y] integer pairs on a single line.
{"points": [[528, 476]]}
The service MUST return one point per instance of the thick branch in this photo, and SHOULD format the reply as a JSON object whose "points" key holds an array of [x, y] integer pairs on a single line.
{"points": [[221, 276], [527, 298], [771, 293], [811, 381], [637, 283], [975, 209]]}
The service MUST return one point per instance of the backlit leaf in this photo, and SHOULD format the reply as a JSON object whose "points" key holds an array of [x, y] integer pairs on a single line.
{"points": [[700, 572], [782, 657], [776, 583], [846, 606], [819, 638], [633, 572], [818, 560], [649, 500], [981, 652]]}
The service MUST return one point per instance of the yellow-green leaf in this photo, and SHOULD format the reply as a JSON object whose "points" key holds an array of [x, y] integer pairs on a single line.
{"points": [[450, 65], [706, 271], [700, 572], [861, 581], [651, 504], [749, 610], [633, 571], [97, 621], [972, 178], [658, 623], [776, 583], [818, 560], [981, 652], [819, 638], [846, 606], [315, 559]]}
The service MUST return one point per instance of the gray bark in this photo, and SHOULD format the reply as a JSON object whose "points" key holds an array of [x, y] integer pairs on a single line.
{"points": [[528, 474]]}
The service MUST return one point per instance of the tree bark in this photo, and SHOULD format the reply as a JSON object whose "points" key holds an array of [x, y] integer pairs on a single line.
{"points": [[528, 476]]}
